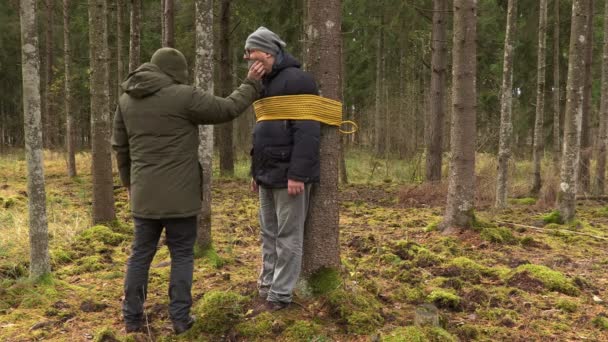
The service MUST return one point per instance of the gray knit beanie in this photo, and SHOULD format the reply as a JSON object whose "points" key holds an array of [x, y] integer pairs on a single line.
{"points": [[171, 62], [265, 40]]}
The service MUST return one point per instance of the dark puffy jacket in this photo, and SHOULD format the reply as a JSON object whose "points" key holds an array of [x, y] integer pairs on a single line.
{"points": [[286, 149]]}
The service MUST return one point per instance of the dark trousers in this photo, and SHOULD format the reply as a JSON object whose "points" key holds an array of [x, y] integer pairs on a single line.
{"points": [[181, 234]]}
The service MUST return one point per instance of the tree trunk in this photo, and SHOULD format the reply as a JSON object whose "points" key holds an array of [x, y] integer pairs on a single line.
{"points": [[585, 150], [69, 125], [203, 78], [506, 106], [600, 171], [574, 108], [461, 189], [343, 139], [434, 143], [556, 89], [108, 65], [225, 78], [539, 136], [135, 35], [30, 66], [103, 193], [47, 116], [321, 235], [120, 68], [169, 18], [378, 123], [163, 24]]}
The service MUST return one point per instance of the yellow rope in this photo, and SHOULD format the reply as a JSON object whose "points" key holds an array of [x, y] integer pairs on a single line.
{"points": [[302, 107]]}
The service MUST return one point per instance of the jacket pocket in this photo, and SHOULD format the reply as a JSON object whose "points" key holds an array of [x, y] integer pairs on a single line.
{"points": [[279, 154]]}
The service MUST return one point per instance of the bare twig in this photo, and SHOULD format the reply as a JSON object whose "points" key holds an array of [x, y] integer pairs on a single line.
{"points": [[516, 225]]}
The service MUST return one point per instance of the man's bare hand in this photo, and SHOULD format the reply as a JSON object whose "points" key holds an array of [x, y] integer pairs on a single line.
{"points": [[294, 187], [254, 185], [256, 71]]}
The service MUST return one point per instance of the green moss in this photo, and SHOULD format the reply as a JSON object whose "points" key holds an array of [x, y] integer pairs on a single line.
{"points": [[552, 280], [358, 310], [496, 314], [600, 322], [523, 201], [105, 334], [469, 269], [418, 334], [433, 226], [303, 331], [210, 256], [9, 203], [324, 281], [566, 305], [406, 293], [418, 255], [498, 235], [467, 332], [218, 312], [553, 217], [61, 256], [444, 298], [259, 326], [102, 234], [89, 263]]}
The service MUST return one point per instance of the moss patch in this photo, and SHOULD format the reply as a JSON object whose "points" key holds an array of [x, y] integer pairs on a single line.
{"points": [[259, 326], [523, 201], [418, 334], [553, 217], [550, 279], [444, 298], [357, 309], [303, 331], [102, 234], [324, 281], [600, 322], [498, 235], [218, 312]]}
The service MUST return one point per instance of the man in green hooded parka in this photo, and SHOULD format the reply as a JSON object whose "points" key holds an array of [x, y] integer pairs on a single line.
{"points": [[155, 136]]}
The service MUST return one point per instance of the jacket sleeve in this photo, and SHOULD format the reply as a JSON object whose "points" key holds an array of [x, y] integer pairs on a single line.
{"points": [[120, 144], [305, 153], [207, 109]]}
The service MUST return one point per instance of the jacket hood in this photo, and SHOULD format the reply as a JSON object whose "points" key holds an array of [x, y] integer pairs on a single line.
{"points": [[284, 60], [145, 81]]}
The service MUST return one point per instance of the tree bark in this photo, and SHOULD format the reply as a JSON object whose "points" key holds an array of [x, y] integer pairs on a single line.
{"points": [[69, 124], [163, 24], [321, 235], [203, 78], [556, 89], [225, 77], [539, 136], [460, 205], [47, 118], [135, 35], [585, 151], [574, 108], [506, 106], [600, 171], [378, 122], [169, 18], [120, 68], [30, 66], [103, 193], [434, 143]]}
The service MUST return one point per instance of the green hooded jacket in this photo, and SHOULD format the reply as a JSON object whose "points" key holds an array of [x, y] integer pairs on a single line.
{"points": [[155, 136]]}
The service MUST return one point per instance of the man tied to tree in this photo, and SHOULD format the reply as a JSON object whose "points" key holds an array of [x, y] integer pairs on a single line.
{"points": [[155, 137], [285, 162]]}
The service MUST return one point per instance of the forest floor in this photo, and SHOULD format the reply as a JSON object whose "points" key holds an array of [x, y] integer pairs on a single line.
{"points": [[496, 282]]}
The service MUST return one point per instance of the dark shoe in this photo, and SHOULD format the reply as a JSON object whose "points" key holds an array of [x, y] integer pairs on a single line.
{"points": [[180, 327], [134, 327], [276, 306]]}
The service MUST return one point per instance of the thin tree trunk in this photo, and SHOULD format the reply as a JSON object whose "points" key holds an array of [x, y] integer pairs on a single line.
{"points": [[225, 76], [135, 35], [203, 78], [574, 108], [321, 235], [600, 171], [506, 106], [343, 139], [460, 205], [103, 195], [586, 148], [69, 125], [556, 89], [378, 144], [108, 65], [120, 68], [47, 118], [169, 18], [539, 136], [434, 143], [30, 66], [163, 24]]}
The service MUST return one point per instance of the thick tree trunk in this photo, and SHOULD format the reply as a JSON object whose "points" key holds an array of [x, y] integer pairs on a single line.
{"points": [[69, 124], [574, 108], [30, 66], [169, 18], [103, 193], [225, 78], [135, 35], [600, 171], [434, 143], [539, 136], [48, 115], [584, 185], [203, 78], [506, 106], [321, 235], [460, 205], [556, 89]]}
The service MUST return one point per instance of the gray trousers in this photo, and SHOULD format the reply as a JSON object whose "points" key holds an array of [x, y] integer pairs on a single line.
{"points": [[282, 219], [181, 234]]}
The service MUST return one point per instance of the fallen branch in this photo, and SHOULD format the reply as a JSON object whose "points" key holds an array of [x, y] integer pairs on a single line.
{"points": [[518, 225], [592, 198]]}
